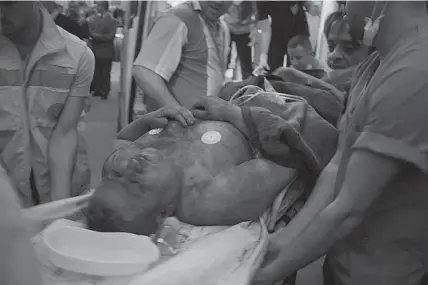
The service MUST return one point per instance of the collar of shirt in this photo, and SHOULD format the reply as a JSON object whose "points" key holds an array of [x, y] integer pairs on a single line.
{"points": [[50, 39], [211, 24]]}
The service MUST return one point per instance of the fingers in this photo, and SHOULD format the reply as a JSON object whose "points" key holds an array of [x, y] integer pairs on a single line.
{"points": [[187, 115], [180, 114], [158, 123], [200, 114]]}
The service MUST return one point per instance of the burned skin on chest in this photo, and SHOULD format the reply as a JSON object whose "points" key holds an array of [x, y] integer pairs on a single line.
{"points": [[159, 171]]}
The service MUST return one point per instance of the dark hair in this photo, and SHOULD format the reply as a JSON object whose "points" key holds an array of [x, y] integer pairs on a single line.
{"points": [[333, 17], [105, 4], [247, 9], [300, 40], [118, 12]]}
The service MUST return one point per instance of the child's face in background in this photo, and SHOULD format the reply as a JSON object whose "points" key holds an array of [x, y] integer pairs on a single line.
{"points": [[300, 58]]}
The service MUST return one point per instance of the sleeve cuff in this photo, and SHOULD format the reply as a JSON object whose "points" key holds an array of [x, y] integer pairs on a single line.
{"points": [[152, 66], [393, 148]]}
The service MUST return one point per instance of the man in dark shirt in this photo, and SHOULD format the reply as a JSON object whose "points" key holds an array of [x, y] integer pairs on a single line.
{"points": [[103, 32], [288, 19], [63, 21]]}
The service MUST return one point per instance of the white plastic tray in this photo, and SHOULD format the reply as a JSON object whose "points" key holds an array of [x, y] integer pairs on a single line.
{"points": [[101, 254]]}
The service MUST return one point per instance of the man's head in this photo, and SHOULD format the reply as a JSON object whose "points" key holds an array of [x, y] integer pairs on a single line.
{"points": [[300, 52], [344, 50], [134, 194], [102, 6], [213, 10], [18, 16], [358, 12]]}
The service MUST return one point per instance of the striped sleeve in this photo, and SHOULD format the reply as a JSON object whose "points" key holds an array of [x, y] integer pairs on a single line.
{"points": [[161, 52], [84, 75]]}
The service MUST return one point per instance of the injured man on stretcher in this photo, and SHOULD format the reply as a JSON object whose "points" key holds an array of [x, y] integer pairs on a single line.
{"points": [[221, 163]]}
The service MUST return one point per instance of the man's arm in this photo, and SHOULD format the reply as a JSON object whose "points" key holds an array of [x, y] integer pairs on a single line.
{"points": [[264, 25], [389, 140], [366, 177], [159, 58], [297, 76], [321, 196], [18, 263], [154, 86], [156, 119], [62, 145]]}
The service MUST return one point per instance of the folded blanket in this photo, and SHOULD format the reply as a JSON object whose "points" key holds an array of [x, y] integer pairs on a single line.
{"points": [[291, 134], [325, 102]]}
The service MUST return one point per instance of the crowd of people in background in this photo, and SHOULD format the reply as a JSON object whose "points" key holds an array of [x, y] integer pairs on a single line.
{"points": [[97, 26]]}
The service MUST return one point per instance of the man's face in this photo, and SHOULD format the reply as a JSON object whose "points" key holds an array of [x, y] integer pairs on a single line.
{"points": [[213, 10], [356, 12], [345, 54], [100, 8], [299, 57], [16, 16]]}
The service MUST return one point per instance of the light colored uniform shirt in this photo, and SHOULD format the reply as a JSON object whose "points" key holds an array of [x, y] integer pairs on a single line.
{"points": [[32, 95], [185, 50], [387, 114]]}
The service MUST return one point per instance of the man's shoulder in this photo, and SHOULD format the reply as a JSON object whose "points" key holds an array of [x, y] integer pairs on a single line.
{"points": [[413, 53], [403, 74], [75, 46], [71, 39], [185, 12]]}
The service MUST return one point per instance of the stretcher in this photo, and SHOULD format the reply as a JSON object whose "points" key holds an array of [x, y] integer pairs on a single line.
{"points": [[70, 211], [47, 217]]}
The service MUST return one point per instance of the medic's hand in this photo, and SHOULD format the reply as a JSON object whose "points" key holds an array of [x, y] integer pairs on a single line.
{"points": [[270, 269], [214, 108], [160, 117], [263, 66]]}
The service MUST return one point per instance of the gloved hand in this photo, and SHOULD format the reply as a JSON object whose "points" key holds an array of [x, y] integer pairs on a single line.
{"points": [[263, 66], [214, 108], [159, 118]]}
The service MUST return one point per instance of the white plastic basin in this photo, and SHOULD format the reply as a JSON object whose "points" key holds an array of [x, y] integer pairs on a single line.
{"points": [[101, 254]]}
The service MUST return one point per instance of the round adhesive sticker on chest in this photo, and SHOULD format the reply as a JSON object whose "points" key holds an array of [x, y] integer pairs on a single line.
{"points": [[155, 131], [211, 137]]}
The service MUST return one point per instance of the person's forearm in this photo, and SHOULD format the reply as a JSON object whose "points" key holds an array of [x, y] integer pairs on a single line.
{"points": [[314, 82], [134, 130], [265, 38], [322, 195], [18, 263], [62, 151], [154, 86], [103, 38], [330, 226]]}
